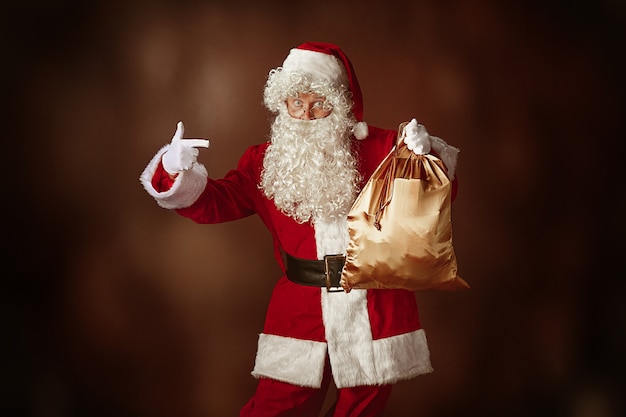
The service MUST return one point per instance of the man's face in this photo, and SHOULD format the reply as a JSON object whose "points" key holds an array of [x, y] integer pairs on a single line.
{"points": [[307, 106]]}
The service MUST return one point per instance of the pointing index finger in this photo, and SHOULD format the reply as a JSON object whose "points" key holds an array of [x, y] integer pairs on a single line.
{"points": [[197, 143]]}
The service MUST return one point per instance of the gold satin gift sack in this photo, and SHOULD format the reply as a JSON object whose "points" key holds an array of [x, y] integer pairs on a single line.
{"points": [[400, 227]]}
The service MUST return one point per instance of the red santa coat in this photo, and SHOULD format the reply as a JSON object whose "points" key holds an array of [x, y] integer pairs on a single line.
{"points": [[371, 337]]}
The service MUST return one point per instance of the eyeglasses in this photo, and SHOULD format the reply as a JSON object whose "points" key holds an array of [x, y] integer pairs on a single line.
{"points": [[308, 106]]}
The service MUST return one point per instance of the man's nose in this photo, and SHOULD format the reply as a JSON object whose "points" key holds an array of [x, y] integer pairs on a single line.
{"points": [[306, 113]]}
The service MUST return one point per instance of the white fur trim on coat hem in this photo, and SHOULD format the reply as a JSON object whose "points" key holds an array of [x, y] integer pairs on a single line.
{"points": [[295, 361], [301, 362], [187, 186], [396, 358]]}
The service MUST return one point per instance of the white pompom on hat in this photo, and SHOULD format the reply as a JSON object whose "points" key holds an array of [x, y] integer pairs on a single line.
{"points": [[325, 61]]}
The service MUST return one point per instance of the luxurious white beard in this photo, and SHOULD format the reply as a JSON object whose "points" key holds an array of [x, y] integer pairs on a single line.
{"points": [[309, 170]]}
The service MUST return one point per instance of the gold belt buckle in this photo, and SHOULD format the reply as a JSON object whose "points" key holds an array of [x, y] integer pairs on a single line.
{"points": [[329, 288]]}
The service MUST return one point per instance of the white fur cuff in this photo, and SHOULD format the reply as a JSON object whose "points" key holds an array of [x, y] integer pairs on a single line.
{"points": [[187, 186], [448, 154]]}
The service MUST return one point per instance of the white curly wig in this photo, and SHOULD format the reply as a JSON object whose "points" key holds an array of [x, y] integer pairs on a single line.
{"points": [[282, 84]]}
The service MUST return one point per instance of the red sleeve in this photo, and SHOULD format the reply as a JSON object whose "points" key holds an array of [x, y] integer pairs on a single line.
{"points": [[232, 197]]}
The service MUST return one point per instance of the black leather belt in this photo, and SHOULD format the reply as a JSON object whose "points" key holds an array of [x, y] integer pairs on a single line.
{"points": [[316, 273]]}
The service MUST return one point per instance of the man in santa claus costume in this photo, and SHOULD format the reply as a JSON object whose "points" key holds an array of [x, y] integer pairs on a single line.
{"points": [[302, 184]]}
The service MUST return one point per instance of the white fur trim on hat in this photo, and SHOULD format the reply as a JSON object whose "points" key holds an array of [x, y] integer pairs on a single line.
{"points": [[320, 65]]}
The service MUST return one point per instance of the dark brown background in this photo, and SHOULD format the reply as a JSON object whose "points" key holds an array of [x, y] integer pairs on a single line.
{"points": [[115, 307]]}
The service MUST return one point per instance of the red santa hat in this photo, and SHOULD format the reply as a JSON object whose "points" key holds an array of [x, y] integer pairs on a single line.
{"points": [[328, 62]]}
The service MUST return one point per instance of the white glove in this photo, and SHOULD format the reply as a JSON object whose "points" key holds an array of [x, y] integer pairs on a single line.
{"points": [[420, 142], [182, 153], [416, 138]]}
